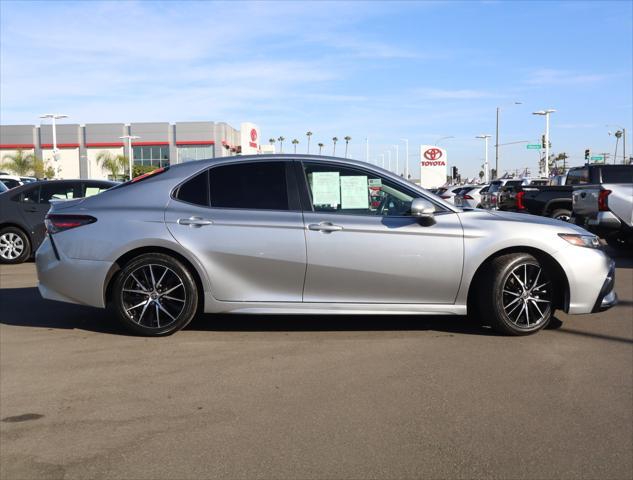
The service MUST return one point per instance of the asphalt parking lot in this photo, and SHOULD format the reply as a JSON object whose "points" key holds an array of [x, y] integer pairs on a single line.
{"points": [[311, 397]]}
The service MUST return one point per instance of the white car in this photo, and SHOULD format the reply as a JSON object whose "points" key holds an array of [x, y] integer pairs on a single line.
{"points": [[470, 197], [449, 194], [11, 181]]}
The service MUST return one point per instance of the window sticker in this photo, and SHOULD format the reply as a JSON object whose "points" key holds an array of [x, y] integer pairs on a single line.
{"points": [[354, 192], [325, 188]]}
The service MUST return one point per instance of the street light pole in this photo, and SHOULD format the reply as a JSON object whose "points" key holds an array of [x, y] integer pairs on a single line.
{"points": [[615, 160], [546, 113], [486, 169], [389, 156], [129, 139], [497, 141], [406, 158], [53, 117], [442, 138], [397, 159]]}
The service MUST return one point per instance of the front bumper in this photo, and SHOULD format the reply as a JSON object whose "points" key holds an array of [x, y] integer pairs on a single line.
{"points": [[607, 297]]}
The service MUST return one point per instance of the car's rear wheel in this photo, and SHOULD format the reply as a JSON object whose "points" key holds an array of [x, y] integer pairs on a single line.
{"points": [[154, 295], [15, 246], [562, 214], [516, 294]]}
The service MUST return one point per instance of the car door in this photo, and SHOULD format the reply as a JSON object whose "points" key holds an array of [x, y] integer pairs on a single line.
{"points": [[243, 221], [363, 245]]}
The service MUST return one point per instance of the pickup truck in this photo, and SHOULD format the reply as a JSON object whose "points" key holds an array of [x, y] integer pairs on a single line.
{"points": [[556, 201], [607, 210]]}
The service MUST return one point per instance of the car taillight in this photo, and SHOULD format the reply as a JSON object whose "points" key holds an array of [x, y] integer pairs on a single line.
{"points": [[603, 200], [58, 223], [468, 197], [519, 198]]}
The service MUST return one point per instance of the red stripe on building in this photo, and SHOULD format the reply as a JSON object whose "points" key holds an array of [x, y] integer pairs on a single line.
{"points": [[149, 144], [61, 145], [195, 142], [15, 146], [104, 144]]}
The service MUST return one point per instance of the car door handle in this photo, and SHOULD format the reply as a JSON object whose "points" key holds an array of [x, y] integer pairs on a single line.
{"points": [[324, 227], [194, 221]]}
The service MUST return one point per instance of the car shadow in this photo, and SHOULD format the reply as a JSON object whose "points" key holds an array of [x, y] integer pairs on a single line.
{"points": [[25, 307]]}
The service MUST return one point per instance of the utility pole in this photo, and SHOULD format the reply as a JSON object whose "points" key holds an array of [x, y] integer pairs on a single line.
{"points": [[397, 160], [53, 117], [486, 169], [546, 113], [497, 145], [389, 156]]}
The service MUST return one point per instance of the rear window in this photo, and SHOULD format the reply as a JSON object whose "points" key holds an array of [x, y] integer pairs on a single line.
{"points": [[140, 178], [618, 174], [494, 187], [577, 176]]}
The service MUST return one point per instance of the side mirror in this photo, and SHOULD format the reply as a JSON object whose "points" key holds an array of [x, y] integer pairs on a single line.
{"points": [[422, 208]]}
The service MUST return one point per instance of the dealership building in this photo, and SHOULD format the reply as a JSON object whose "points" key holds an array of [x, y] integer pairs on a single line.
{"points": [[158, 144]]}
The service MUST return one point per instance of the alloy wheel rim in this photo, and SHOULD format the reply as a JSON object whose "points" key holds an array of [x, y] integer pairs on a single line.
{"points": [[11, 246], [527, 296], [153, 296]]}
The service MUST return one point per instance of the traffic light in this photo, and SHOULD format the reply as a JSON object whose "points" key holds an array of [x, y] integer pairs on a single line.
{"points": [[587, 154], [543, 144], [454, 173]]}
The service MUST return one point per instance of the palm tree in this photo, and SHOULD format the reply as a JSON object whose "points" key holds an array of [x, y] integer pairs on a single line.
{"points": [[320, 147], [42, 169], [271, 141], [347, 139], [295, 142], [111, 163], [481, 175], [281, 144], [334, 140], [308, 134], [19, 163]]}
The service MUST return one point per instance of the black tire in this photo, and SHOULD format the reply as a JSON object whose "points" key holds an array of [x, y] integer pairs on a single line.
{"points": [[15, 246], [144, 291], [496, 307], [561, 214]]}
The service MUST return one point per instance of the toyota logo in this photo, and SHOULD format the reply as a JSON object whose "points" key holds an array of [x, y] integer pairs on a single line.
{"points": [[254, 135], [433, 154]]}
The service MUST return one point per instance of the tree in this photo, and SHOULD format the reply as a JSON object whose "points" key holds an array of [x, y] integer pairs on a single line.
{"points": [[281, 144], [42, 169], [481, 175], [19, 163], [347, 139], [111, 163], [320, 147], [308, 134], [295, 142], [271, 141], [334, 140], [493, 173]]}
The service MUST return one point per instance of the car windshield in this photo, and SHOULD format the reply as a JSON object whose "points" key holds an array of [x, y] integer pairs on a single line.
{"points": [[494, 187]]}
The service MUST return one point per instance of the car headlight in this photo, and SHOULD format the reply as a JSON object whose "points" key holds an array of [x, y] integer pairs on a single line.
{"points": [[589, 241]]}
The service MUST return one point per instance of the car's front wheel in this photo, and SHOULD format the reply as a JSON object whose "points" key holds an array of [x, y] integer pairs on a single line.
{"points": [[516, 294], [14, 245], [154, 295]]}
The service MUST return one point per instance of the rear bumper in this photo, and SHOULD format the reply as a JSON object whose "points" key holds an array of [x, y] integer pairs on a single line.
{"points": [[607, 297], [605, 220], [70, 280]]}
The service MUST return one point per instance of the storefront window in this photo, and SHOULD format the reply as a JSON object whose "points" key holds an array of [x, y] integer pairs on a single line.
{"points": [[153, 156], [195, 152]]}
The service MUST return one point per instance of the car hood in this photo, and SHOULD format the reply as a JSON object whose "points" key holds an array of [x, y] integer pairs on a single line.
{"points": [[524, 218]]}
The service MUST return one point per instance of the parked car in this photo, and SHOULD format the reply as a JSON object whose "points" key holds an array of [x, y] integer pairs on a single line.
{"points": [[3, 188], [298, 234], [607, 209], [556, 201], [28, 179], [11, 181], [22, 212], [489, 198], [449, 194], [470, 197]]}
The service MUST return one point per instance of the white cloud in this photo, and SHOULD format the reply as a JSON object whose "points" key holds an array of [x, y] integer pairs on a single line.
{"points": [[549, 77]]}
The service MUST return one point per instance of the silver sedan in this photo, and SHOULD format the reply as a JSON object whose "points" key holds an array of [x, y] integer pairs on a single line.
{"points": [[313, 235]]}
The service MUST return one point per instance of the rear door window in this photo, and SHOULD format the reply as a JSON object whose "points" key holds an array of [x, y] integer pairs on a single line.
{"points": [[59, 191], [195, 190], [255, 185]]}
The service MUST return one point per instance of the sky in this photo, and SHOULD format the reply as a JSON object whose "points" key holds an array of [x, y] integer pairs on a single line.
{"points": [[382, 71]]}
